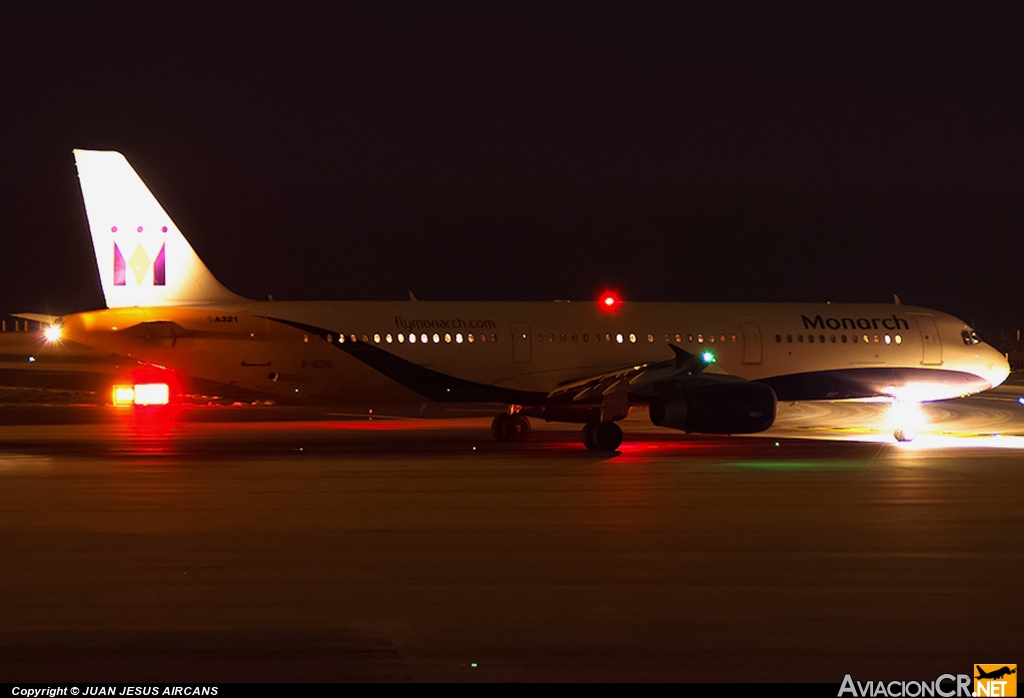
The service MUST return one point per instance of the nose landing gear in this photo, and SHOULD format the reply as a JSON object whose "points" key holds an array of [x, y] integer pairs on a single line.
{"points": [[905, 417], [905, 434]]}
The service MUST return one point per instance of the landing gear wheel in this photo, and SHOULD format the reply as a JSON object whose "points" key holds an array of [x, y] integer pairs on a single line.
{"points": [[905, 434], [498, 427], [603, 436], [588, 435], [516, 428], [510, 427]]}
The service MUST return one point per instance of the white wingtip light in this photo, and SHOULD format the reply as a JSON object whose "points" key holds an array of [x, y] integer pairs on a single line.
{"points": [[143, 258]]}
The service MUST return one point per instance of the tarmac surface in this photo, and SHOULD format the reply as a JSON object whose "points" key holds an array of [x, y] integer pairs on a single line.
{"points": [[263, 544]]}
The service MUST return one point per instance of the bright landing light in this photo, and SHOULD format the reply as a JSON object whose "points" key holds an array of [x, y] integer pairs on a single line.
{"points": [[52, 333], [906, 419]]}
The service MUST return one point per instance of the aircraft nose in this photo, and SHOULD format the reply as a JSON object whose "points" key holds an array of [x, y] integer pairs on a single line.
{"points": [[997, 368]]}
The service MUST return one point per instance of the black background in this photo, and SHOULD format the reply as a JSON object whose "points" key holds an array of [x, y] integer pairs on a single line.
{"points": [[793, 152]]}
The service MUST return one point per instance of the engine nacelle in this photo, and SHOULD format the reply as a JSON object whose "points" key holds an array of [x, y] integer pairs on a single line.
{"points": [[726, 408]]}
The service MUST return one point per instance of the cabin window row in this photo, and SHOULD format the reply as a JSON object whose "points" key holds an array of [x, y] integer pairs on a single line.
{"points": [[550, 337], [617, 338], [632, 338], [842, 339], [413, 338]]}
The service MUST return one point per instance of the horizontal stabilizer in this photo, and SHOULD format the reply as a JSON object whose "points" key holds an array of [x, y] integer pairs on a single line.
{"points": [[37, 317]]}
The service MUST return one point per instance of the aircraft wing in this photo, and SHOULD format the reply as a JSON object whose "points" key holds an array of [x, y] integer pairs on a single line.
{"points": [[685, 370]]}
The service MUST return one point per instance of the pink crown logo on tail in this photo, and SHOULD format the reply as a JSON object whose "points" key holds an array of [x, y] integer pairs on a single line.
{"points": [[139, 263]]}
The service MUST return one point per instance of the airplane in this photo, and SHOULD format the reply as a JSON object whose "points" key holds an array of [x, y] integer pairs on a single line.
{"points": [[994, 674], [717, 368]]}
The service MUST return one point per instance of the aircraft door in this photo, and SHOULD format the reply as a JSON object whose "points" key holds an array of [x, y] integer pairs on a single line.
{"points": [[522, 349], [751, 342], [931, 343]]}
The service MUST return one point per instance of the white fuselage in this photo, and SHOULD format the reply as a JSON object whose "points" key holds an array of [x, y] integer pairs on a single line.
{"points": [[804, 351]]}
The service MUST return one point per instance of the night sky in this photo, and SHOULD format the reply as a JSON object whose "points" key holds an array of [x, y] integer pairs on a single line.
{"points": [[827, 151]]}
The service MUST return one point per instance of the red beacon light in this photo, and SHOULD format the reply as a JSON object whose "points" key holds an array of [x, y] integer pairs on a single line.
{"points": [[609, 302]]}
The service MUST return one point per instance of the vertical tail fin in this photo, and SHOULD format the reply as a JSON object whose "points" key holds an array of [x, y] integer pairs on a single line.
{"points": [[143, 258]]}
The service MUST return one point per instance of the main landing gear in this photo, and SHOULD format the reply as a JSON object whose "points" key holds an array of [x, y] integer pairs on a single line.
{"points": [[597, 436], [510, 427], [602, 436]]}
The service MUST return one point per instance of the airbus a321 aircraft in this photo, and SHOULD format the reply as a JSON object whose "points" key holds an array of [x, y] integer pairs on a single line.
{"points": [[713, 368]]}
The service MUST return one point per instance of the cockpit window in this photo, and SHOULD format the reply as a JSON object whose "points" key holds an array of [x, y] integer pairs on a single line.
{"points": [[970, 337]]}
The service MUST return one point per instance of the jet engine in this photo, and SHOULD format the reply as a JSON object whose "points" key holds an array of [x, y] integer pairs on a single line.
{"points": [[724, 408]]}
